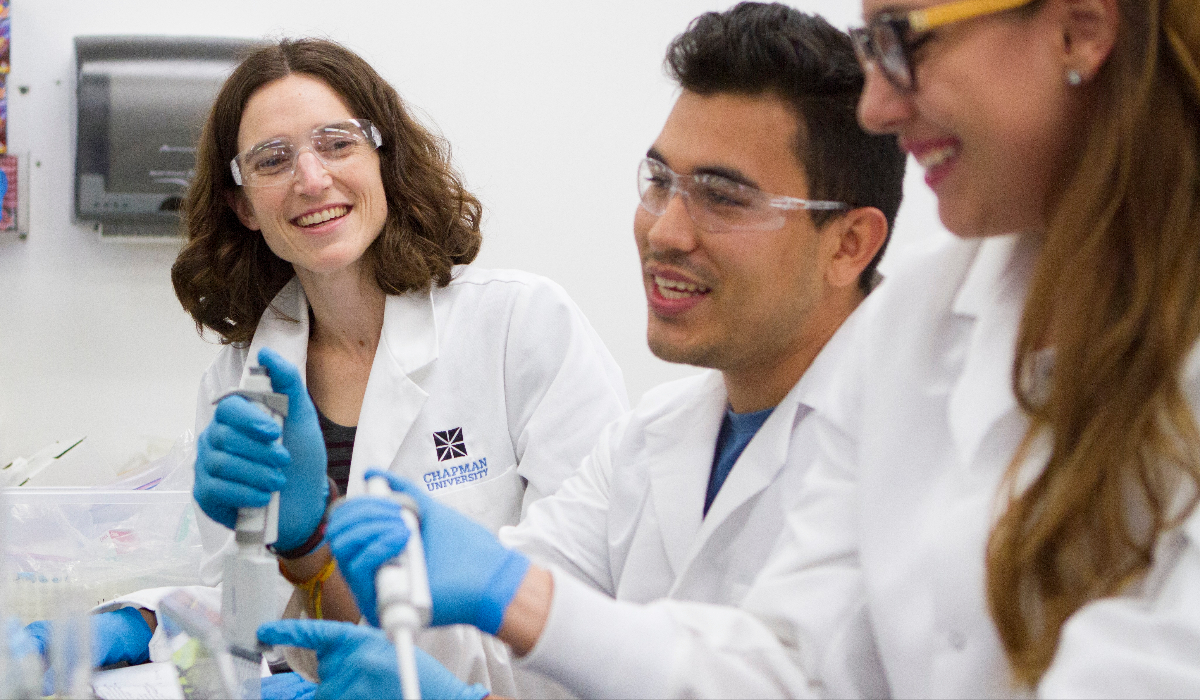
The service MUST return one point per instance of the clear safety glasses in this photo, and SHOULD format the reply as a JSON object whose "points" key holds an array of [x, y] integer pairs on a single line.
{"points": [[716, 203], [889, 40], [273, 162]]}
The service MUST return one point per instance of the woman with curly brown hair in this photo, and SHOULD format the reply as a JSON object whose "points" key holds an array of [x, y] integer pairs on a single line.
{"points": [[329, 240]]}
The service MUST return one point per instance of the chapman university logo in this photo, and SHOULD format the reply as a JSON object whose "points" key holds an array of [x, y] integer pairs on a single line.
{"points": [[449, 444]]}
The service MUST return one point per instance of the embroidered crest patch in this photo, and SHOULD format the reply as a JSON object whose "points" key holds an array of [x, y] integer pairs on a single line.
{"points": [[449, 444]]}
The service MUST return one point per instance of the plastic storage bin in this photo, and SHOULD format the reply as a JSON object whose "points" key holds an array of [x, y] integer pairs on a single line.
{"points": [[80, 547]]}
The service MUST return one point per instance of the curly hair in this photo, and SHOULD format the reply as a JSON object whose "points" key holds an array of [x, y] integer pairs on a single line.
{"points": [[226, 276]]}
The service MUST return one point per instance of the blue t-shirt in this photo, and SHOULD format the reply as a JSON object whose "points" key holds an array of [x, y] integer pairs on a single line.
{"points": [[737, 429]]}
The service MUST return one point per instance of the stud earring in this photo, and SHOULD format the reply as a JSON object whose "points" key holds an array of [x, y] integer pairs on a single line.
{"points": [[1074, 78]]}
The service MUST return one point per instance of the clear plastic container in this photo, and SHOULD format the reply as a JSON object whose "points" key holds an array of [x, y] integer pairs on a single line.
{"points": [[89, 546]]}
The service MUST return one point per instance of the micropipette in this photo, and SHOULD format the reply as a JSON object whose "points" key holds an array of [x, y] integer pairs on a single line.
{"points": [[402, 590], [247, 595]]}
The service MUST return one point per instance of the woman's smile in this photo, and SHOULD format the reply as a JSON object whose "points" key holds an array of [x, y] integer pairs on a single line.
{"points": [[313, 219]]}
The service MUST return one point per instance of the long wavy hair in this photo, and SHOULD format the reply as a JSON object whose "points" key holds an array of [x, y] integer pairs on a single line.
{"points": [[1116, 290], [226, 276]]}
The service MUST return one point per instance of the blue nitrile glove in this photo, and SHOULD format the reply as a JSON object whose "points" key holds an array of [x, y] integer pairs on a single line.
{"points": [[472, 577], [25, 660], [238, 464], [38, 633], [359, 662], [120, 635], [117, 636], [287, 686], [369, 531], [20, 641]]}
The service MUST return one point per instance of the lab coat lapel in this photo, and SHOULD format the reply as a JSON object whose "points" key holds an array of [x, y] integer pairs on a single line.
{"points": [[409, 341], [684, 441], [759, 465], [991, 297], [283, 328], [754, 470]]}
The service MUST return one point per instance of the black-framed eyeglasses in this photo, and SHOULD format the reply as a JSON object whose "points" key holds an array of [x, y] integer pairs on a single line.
{"points": [[889, 39], [718, 204]]}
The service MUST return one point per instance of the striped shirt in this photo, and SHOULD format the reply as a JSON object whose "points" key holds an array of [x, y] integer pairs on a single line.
{"points": [[339, 445]]}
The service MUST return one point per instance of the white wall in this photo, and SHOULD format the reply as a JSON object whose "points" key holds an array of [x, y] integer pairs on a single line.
{"points": [[548, 105]]}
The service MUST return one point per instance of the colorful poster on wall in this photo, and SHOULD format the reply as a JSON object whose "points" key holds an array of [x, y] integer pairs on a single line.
{"points": [[8, 205], [5, 65], [4, 44], [8, 164]]}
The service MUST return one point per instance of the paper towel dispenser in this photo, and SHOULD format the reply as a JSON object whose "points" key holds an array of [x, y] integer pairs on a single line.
{"points": [[141, 102]]}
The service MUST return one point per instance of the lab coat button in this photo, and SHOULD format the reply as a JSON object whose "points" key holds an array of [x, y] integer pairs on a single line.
{"points": [[957, 640]]}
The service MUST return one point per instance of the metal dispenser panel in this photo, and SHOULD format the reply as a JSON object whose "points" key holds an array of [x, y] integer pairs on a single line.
{"points": [[141, 103]]}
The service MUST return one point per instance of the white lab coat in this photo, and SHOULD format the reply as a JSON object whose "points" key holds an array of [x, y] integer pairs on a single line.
{"points": [[630, 521], [877, 585], [504, 356]]}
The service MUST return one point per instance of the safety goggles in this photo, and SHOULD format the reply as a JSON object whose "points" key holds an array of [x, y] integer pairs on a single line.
{"points": [[716, 203], [889, 40], [273, 162]]}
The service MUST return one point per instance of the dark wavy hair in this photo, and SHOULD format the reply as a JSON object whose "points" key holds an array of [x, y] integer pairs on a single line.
{"points": [[758, 48], [226, 276]]}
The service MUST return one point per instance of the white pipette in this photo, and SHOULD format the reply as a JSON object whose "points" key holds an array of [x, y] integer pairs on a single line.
{"points": [[402, 590], [247, 593]]}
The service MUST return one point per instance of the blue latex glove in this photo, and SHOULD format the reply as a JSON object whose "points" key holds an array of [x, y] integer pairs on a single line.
{"points": [[472, 577], [239, 464], [25, 651], [20, 641], [363, 533], [359, 662], [117, 636], [287, 686]]}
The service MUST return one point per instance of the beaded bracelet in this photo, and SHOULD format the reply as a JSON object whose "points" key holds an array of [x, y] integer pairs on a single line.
{"points": [[318, 536]]}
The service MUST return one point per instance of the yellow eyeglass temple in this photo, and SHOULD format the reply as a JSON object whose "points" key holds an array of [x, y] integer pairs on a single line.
{"points": [[924, 20]]}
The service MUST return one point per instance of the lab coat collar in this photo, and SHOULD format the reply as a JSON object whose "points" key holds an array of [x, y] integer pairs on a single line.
{"points": [[408, 343], [686, 440], [815, 387], [409, 329], [765, 455], [991, 298], [283, 328], [683, 441]]}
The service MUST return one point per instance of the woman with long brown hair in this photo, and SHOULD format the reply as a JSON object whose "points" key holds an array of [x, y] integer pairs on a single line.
{"points": [[1050, 455], [330, 241]]}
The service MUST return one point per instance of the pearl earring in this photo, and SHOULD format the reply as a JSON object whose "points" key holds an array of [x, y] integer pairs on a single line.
{"points": [[1074, 78]]}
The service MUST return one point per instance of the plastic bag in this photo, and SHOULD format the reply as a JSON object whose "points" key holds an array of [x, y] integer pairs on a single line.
{"points": [[93, 544]]}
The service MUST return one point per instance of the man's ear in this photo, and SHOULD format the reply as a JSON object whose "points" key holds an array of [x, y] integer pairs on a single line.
{"points": [[241, 206], [1089, 30], [854, 239]]}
